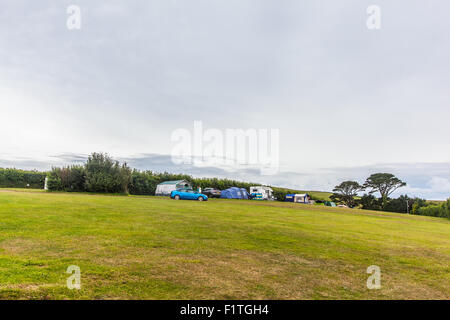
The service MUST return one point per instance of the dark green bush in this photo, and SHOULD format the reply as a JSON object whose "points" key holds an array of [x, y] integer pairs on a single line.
{"points": [[370, 202], [399, 204], [69, 179], [103, 174], [143, 183]]}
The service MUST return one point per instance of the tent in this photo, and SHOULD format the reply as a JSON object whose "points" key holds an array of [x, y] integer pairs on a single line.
{"points": [[166, 187], [290, 198], [299, 198], [234, 193], [330, 204], [302, 198]]}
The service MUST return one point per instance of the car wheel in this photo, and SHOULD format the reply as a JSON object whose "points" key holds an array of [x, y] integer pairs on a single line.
{"points": [[200, 199], [177, 197]]}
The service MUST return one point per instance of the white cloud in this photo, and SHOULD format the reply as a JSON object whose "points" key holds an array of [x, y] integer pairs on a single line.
{"points": [[439, 184]]}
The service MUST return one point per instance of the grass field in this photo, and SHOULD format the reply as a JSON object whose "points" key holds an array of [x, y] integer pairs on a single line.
{"points": [[156, 248]]}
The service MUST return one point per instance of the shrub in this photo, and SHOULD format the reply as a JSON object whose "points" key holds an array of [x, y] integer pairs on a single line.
{"points": [[399, 204], [369, 202], [435, 210], [143, 183], [70, 178], [103, 174]]}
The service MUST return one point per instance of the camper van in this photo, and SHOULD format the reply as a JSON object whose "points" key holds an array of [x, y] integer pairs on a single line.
{"points": [[267, 192]]}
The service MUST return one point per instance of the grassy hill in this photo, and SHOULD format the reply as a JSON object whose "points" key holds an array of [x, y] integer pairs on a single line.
{"points": [[320, 195], [157, 248]]}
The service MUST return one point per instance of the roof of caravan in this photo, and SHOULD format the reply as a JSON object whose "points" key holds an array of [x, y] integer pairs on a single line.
{"points": [[174, 182]]}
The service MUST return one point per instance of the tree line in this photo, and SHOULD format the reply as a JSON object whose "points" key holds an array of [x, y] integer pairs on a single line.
{"points": [[102, 174], [16, 178], [385, 184]]}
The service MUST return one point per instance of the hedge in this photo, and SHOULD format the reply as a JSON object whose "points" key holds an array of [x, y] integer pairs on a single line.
{"points": [[16, 178]]}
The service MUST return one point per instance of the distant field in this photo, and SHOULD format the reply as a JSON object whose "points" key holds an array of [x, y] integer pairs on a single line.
{"points": [[319, 195], [156, 248]]}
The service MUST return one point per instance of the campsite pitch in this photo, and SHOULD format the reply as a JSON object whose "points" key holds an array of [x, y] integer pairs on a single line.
{"points": [[156, 248]]}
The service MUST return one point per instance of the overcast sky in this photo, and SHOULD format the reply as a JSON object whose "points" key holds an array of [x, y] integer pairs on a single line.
{"points": [[348, 101]]}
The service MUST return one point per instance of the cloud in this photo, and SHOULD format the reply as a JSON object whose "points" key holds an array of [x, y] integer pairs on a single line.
{"points": [[440, 184]]}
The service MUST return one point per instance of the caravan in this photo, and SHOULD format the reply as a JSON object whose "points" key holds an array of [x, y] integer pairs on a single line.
{"points": [[166, 187], [266, 192]]}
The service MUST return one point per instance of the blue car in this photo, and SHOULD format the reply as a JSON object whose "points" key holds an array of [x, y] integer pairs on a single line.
{"points": [[185, 194]]}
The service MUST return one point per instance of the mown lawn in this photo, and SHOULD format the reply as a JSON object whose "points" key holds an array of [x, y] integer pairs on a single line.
{"points": [[157, 248]]}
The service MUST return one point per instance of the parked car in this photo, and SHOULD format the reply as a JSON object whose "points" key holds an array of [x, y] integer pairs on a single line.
{"points": [[212, 193], [187, 194]]}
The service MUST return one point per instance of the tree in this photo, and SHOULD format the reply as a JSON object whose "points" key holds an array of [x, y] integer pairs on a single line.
{"points": [[346, 192], [402, 204], [369, 202], [125, 177], [103, 174], [71, 178], [418, 203], [384, 183]]}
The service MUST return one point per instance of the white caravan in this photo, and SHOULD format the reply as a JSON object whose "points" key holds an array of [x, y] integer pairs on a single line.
{"points": [[267, 192]]}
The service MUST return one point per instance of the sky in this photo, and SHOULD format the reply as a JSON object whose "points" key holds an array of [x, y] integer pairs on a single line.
{"points": [[347, 100]]}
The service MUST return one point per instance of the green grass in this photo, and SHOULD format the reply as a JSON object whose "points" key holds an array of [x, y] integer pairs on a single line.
{"points": [[156, 248]]}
